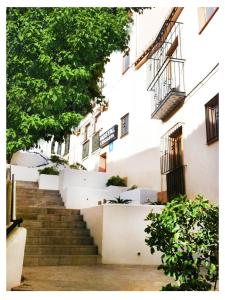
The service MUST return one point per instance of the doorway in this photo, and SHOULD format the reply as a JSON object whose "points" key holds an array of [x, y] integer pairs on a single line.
{"points": [[102, 163]]}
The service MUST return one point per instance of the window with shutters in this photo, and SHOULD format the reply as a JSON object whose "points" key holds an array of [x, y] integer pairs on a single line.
{"points": [[67, 145], [95, 142], [53, 147], [86, 132], [124, 125], [59, 149], [205, 14], [85, 150], [212, 119], [97, 123], [126, 62]]}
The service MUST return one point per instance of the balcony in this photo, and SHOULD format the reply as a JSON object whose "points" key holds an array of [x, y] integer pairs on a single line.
{"points": [[168, 88], [166, 71]]}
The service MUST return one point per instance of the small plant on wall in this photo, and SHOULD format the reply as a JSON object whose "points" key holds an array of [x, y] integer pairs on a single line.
{"points": [[186, 232], [58, 160], [116, 180], [49, 171], [77, 166], [119, 200]]}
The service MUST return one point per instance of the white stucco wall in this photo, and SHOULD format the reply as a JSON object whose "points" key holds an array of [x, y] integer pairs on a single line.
{"points": [[137, 155], [82, 197], [27, 159], [69, 177], [48, 182], [201, 160], [118, 230], [140, 196], [14, 256], [25, 173]]}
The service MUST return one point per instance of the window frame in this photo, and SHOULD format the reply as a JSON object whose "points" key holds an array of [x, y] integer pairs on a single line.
{"points": [[122, 133], [212, 130], [53, 147], [125, 66], [59, 149], [86, 128], [86, 142], [203, 19], [93, 136], [67, 145]]}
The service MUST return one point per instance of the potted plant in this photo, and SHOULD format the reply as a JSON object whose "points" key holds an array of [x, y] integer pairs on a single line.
{"points": [[116, 181], [48, 178], [120, 201]]}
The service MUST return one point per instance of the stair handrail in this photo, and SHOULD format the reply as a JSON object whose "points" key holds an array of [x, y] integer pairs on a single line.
{"points": [[14, 221]]}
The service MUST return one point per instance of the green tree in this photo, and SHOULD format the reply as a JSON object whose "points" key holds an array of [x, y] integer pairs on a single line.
{"points": [[55, 59], [186, 232]]}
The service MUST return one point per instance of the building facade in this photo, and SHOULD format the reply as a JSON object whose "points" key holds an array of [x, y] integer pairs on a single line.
{"points": [[159, 126]]}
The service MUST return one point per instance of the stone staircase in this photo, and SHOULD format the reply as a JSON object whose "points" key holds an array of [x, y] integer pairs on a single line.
{"points": [[55, 235]]}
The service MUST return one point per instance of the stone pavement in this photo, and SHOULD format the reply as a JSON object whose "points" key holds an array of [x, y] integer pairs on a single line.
{"points": [[93, 278]]}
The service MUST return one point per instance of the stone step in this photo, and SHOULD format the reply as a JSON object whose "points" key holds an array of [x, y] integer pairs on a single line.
{"points": [[21, 199], [66, 232], [39, 202], [36, 191], [47, 210], [22, 195], [61, 260], [27, 184], [36, 198], [59, 240], [60, 249], [50, 217], [41, 206], [53, 224]]}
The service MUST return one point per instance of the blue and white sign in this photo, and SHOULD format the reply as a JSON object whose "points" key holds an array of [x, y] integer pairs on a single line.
{"points": [[109, 136]]}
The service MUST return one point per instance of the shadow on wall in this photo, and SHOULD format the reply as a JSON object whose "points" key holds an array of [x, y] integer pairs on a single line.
{"points": [[202, 165], [142, 169]]}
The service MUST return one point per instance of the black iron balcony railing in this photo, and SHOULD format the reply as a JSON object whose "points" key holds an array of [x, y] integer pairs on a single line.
{"points": [[168, 88], [166, 72]]}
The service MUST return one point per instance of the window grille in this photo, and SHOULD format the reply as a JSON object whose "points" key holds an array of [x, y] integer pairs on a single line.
{"points": [[124, 125]]}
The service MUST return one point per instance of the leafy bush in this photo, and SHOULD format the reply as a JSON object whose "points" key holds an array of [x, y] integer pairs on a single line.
{"points": [[187, 233], [49, 171], [120, 201], [133, 187], [77, 166], [116, 180], [58, 160]]}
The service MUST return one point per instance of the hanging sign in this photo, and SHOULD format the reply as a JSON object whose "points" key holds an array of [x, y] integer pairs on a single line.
{"points": [[109, 136]]}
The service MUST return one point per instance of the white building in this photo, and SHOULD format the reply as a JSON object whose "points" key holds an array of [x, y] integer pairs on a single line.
{"points": [[160, 126]]}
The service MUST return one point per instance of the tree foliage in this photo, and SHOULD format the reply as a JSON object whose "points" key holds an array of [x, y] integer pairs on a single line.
{"points": [[186, 232], [55, 59]]}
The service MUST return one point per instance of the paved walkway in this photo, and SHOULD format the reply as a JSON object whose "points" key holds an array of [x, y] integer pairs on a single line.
{"points": [[93, 278]]}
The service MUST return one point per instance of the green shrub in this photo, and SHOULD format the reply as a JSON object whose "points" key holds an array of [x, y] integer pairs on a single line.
{"points": [[186, 232], [120, 201], [58, 160], [116, 180], [77, 166], [49, 171]]}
